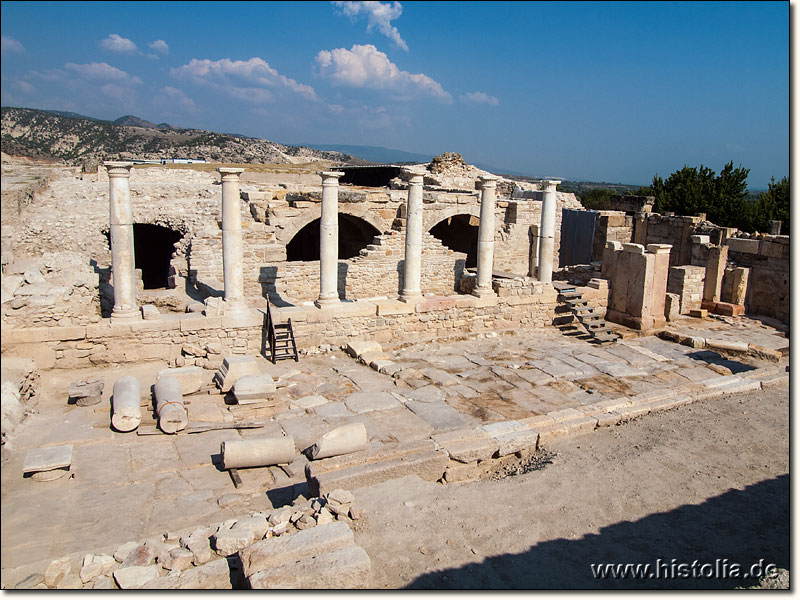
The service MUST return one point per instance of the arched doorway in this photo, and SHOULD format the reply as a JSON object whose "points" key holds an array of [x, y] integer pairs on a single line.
{"points": [[354, 235], [153, 247], [459, 233]]}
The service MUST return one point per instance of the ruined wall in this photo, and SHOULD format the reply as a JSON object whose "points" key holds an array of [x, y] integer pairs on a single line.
{"points": [[610, 226], [768, 285], [687, 282], [382, 320], [58, 289], [673, 230], [377, 272]]}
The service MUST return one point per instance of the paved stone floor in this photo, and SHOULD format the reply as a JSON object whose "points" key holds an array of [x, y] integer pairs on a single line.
{"points": [[127, 486]]}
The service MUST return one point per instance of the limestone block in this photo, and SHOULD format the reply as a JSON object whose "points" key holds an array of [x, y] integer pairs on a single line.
{"points": [[257, 524], [308, 402], [150, 312], [342, 440], [268, 554], [190, 378], [743, 245], [363, 402], [215, 575], [253, 388], [234, 367], [698, 313], [346, 568], [672, 307], [230, 541], [96, 565], [129, 578], [47, 459], [357, 348], [86, 393], [56, 571]]}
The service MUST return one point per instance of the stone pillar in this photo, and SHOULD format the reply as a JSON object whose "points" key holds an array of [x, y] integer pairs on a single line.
{"points": [[412, 263], [329, 239], [232, 253], [483, 285], [547, 231], [775, 227], [715, 270], [533, 258], [121, 226]]}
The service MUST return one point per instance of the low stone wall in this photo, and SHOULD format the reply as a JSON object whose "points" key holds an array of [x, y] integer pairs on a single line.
{"points": [[687, 282], [611, 226], [768, 284], [380, 320]]}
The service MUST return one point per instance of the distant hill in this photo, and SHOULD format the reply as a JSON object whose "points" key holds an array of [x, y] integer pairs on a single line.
{"points": [[131, 121], [72, 137], [71, 115], [377, 154]]}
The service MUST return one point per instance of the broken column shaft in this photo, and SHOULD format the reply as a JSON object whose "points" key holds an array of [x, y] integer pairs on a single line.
{"points": [[126, 404], [121, 230], [260, 452], [547, 232], [232, 253], [412, 263], [483, 286], [329, 239], [169, 405]]}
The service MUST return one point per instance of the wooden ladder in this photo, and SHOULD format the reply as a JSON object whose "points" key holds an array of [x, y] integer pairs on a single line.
{"points": [[580, 311], [281, 339]]}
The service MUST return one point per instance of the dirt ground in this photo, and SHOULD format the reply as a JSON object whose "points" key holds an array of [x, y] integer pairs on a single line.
{"points": [[704, 482]]}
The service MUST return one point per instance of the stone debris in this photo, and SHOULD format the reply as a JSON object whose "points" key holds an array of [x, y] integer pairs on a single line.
{"points": [[214, 575], [141, 556], [342, 440], [86, 393], [249, 389], [132, 578], [199, 545], [150, 312], [230, 541], [357, 348], [346, 568], [70, 582], [97, 565], [191, 378], [47, 459], [178, 559], [56, 571], [234, 367]]}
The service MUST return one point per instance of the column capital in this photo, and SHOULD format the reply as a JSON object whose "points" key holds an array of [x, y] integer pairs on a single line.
{"points": [[488, 181], [415, 175], [118, 168], [229, 173], [550, 184], [330, 177]]}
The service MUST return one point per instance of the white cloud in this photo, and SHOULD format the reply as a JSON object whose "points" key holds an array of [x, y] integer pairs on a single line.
{"points": [[102, 71], [251, 80], [116, 43], [24, 86], [480, 98], [378, 15], [9, 44], [367, 67], [176, 96], [159, 46]]}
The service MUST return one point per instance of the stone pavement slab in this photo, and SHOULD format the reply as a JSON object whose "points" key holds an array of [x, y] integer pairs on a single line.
{"points": [[438, 414], [46, 459], [363, 402]]}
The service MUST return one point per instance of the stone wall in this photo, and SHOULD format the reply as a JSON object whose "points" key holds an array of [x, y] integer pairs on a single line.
{"points": [[687, 282], [768, 284], [610, 226], [661, 229], [383, 320]]}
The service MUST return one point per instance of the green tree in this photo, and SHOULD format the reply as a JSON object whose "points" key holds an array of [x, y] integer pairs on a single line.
{"points": [[773, 205], [693, 190], [596, 198]]}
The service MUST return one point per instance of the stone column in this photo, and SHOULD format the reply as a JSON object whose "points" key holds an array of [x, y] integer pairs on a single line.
{"points": [[483, 286], [329, 239], [232, 253], [121, 226], [715, 270], [547, 231], [412, 263]]}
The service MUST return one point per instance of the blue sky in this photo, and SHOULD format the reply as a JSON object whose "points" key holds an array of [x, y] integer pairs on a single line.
{"points": [[588, 90]]}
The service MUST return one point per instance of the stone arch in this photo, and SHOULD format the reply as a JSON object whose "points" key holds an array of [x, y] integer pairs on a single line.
{"points": [[459, 232], [312, 214], [355, 234], [431, 218]]}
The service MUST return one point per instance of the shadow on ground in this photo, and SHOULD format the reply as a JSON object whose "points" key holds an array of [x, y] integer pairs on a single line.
{"points": [[742, 526]]}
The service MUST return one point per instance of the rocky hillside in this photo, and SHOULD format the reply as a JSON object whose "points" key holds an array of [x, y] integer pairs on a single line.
{"points": [[45, 135]]}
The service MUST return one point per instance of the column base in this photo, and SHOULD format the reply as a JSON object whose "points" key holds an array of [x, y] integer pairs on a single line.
{"points": [[126, 314], [483, 292], [410, 297], [321, 302], [234, 309]]}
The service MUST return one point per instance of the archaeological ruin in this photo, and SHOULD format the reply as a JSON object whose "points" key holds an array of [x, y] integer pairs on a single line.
{"points": [[438, 320]]}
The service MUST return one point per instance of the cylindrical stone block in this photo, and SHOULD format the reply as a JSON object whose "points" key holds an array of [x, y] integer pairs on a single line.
{"points": [[412, 263], [126, 404], [260, 452], [547, 232], [483, 284], [121, 235], [342, 440], [329, 239], [232, 249], [171, 413]]}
